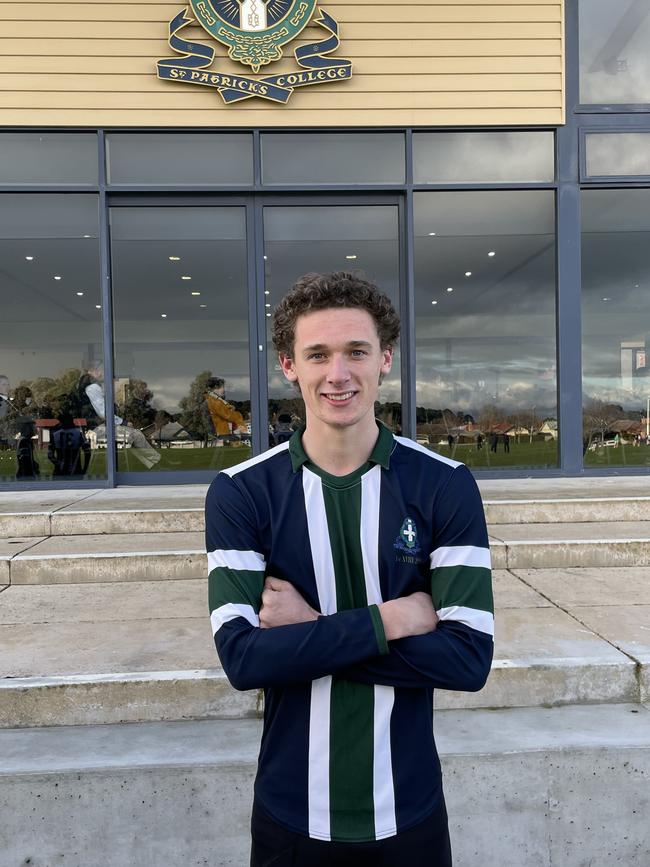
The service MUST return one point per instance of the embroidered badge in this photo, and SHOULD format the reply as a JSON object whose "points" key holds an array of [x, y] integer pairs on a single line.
{"points": [[407, 540], [255, 33]]}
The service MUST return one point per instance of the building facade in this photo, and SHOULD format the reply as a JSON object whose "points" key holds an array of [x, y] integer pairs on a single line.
{"points": [[166, 172]]}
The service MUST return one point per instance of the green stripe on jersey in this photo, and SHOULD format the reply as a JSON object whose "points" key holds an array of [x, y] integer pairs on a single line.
{"points": [[352, 705], [467, 586], [237, 586]]}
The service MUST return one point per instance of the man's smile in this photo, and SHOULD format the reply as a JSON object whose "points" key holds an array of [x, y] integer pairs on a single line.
{"points": [[339, 397]]}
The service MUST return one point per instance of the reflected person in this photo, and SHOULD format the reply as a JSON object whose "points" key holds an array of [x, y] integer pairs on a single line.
{"points": [[92, 386], [69, 450], [223, 415], [27, 467]]}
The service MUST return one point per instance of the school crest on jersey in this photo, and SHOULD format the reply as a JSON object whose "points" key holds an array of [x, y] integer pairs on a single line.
{"points": [[407, 540], [255, 33]]}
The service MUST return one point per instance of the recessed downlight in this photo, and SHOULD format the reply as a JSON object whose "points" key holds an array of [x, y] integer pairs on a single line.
{"points": [[491, 253], [434, 302], [163, 316], [29, 258], [186, 277], [80, 294], [450, 288], [57, 277], [196, 293], [351, 256], [468, 273], [174, 258]]}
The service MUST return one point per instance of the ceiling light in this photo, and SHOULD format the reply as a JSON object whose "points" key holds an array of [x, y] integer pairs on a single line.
{"points": [[29, 258], [491, 253], [432, 234], [434, 302], [80, 294], [266, 292], [607, 299], [450, 288], [468, 273], [98, 306], [86, 236], [268, 314], [57, 277], [352, 256], [265, 258], [163, 316], [203, 305], [636, 285], [267, 305], [186, 277], [196, 293], [174, 258]]}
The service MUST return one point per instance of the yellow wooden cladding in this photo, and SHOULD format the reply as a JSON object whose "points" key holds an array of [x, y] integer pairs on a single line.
{"points": [[93, 63]]}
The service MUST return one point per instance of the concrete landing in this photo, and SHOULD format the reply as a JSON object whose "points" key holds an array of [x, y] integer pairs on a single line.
{"points": [[143, 650], [567, 786]]}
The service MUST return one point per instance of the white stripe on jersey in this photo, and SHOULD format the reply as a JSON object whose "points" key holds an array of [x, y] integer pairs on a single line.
{"points": [[483, 621], [461, 555], [319, 759], [252, 561], [230, 611], [319, 712]]}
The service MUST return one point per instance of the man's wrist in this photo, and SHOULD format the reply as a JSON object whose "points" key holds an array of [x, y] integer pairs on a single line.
{"points": [[390, 617]]}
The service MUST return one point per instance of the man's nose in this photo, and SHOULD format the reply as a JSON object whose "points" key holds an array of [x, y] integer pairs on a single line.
{"points": [[338, 369]]}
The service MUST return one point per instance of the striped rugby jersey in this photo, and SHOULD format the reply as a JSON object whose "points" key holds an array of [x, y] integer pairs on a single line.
{"points": [[347, 751]]}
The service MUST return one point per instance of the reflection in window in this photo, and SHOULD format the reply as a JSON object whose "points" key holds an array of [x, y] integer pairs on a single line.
{"points": [[618, 154], [223, 159], [44, 158], [303, 240], [182, 385], [50, 336], [615, 326], [483, 157], [485, 326], [333, 158], [614, 57]]}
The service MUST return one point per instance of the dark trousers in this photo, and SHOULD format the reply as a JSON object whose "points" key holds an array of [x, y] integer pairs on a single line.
{"points": [[425, 845]]}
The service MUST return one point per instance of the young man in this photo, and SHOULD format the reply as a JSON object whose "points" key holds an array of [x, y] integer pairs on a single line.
{"points": [[349, 577]]}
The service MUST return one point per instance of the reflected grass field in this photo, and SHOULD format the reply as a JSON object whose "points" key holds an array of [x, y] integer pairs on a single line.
{"points": [[522, 455]]}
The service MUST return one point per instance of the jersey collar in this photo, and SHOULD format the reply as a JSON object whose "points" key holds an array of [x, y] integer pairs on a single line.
{"points": [[380, 454]]}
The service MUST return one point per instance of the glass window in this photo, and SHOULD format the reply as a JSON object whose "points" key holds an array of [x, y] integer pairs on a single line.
{"points": [[615, 326], [180, 158], [332, 158], [614, 57], [618, 154], [182, 382], [48, 158], [300, 240], [50, 337], [483, 157], [485, 326]]}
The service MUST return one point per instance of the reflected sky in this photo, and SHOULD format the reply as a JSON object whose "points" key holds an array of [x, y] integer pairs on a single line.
{"points": [[614, 56], [485, 324], [616, 296]]}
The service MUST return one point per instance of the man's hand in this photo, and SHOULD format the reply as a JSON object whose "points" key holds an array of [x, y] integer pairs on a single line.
{"points": [[408, 615], [282, 604]]}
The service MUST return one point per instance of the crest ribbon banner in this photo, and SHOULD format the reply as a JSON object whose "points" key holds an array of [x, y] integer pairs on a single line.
{"points": [[314, 67]]}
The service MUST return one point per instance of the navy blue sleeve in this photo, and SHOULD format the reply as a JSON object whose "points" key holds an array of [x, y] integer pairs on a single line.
{"points": [[458, 654], [252, 657]]}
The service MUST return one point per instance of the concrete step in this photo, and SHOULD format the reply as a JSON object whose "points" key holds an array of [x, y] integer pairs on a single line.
{"points": [[596, 544], [180, 508], [175, 555], [576, 778], [128, 652], [114, 557]]}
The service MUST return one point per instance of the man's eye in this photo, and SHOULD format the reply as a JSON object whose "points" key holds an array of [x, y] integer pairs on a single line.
{"points": [[358, 353], [316, 356]]}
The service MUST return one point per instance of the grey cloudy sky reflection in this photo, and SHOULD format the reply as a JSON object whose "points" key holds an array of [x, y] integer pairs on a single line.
{"points": [[614, 57]]}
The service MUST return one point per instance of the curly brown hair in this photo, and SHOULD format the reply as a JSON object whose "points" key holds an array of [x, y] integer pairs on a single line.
{"points": [[314, 292]]}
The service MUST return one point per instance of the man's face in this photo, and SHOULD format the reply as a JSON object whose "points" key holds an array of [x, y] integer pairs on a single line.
{"points": [[337, 362]]}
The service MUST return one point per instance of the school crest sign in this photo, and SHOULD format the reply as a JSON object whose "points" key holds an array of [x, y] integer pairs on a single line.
{"points": [[255, 32]]}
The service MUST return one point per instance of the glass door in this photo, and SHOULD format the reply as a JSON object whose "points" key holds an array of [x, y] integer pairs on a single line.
{"points": [[303, 238], [181, 341]]}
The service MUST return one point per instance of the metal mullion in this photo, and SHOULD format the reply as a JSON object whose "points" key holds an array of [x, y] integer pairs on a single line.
{"points": [[253, 329], [257, 310], [107, 318], [407, 315], [568, 264]]}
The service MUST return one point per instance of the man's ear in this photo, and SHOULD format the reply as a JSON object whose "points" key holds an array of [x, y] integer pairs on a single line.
{"points": [[386, 360], [286, 363]]}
